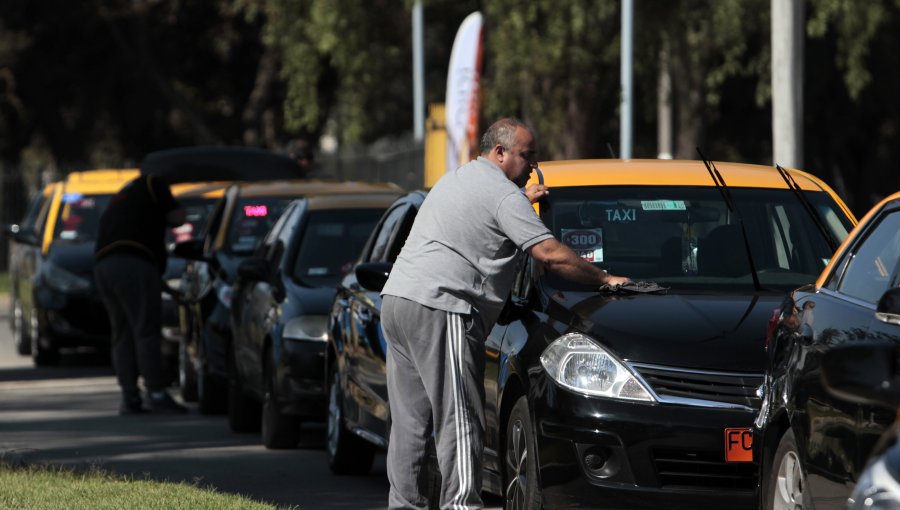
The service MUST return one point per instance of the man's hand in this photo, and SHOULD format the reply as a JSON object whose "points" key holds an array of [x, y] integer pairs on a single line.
{"points": [[616, 280], [536, 192]]}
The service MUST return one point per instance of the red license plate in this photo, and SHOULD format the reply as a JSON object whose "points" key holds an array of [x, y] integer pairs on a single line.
{"points": [[738, 445]]}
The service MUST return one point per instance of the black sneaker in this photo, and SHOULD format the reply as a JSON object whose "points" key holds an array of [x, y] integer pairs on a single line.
{"points": [[162, 403], [131, 404]]}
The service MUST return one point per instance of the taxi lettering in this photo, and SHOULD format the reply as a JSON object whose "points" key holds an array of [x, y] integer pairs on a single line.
{"points": [[621, 215]]}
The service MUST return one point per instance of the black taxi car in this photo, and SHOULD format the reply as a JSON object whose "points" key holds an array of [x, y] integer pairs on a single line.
{"points": [[280, 306], [608, 399], [813, 444]]}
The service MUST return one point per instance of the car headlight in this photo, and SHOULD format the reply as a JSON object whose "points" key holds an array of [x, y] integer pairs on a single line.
{"points": [[63, 280], [578, 363], [877, 489], [307, 327]]}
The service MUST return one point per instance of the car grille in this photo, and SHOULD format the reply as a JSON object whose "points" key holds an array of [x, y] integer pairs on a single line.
{"points": [[692, 469], [715, 387]]}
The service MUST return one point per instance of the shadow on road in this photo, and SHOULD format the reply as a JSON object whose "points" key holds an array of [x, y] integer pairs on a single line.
{"points": [[72, 365]]}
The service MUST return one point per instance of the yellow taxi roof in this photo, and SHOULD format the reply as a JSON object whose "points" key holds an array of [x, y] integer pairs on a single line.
{"points": [[107, 180], [200, 189], [308, 187], [662, 172]]}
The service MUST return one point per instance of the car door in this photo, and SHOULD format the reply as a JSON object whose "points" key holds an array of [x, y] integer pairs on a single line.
{"points": [[870, 271], [840, 434], [259, 302], [365, 354]]}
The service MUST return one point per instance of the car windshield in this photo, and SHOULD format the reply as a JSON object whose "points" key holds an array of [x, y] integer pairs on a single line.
{"points": [[79, 217], [685, 237], [251, 219], [196, 209], [330, 244]]}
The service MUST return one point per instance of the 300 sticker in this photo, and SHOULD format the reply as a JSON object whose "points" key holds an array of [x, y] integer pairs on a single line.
{"points": [[583, 239]]}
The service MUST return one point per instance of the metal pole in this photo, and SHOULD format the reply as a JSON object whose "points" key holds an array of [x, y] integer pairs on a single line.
{"points": [[626, 63], [418, 72], [787, 82]]}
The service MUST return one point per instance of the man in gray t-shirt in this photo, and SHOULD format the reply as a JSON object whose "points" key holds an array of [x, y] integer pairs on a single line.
{"points": [[442, 298]]}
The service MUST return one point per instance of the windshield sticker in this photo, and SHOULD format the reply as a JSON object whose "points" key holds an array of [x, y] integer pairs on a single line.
{"points": [[317, 271], [621, 215], [663, 205], [586, 242], [71, 197]]}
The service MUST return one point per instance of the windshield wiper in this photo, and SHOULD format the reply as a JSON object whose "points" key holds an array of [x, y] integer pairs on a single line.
{"points": [[793, 186], [729, 202]]}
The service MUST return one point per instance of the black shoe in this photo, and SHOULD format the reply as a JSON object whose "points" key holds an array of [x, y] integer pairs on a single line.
{"points": [[131, 404], [162, 403]]}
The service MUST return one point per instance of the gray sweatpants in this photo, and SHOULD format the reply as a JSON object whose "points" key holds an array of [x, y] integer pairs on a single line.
{"points": [[435, 380], [132, 294]]}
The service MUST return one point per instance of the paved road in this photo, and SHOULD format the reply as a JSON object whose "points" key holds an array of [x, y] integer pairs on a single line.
{"points": [[67, 415]]}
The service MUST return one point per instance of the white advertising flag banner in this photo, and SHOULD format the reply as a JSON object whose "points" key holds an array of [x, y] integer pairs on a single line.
{"points": [[462, 91]]}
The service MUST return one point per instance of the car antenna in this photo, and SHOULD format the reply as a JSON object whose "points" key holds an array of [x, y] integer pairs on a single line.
{"points": [[793, 186], [729, 202], [611, 151]]}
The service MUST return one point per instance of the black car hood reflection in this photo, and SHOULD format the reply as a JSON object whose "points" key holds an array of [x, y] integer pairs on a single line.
{"points": [[716, 332], [76, 258]]}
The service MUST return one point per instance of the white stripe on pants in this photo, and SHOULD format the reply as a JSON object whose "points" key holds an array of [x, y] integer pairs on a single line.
{"points": [[435, 377]]}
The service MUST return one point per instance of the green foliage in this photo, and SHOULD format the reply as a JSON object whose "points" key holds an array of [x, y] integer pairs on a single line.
{"points": [[49, 488]]}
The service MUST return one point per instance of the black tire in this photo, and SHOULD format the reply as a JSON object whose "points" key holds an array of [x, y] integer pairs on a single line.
{"points": [[43, 356], [244, 413], [17, 325], [348, 454], [522, 490], [785, 487], [279, 431], [212, 394], [187, 374]]}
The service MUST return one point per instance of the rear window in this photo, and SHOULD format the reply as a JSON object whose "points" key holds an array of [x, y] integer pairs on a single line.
{"points": [[251, 219], [685, 237], [79, 217], [330, 243]]}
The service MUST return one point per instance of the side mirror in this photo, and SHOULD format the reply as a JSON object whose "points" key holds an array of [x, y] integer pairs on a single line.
{"points": [[190, 250], [888, 309], [864, 373], [373, 275], [21, 235], [254, 269]]}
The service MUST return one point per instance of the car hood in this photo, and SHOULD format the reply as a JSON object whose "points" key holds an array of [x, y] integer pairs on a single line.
{"points": [[308, 300], [704, 331], [76, 258]]}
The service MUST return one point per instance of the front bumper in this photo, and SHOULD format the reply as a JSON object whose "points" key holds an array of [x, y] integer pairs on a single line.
{"points": [[614, 454], [301, 379], [72, 319]]}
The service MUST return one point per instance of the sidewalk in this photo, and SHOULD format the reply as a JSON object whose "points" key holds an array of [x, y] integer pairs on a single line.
{"points": [[4, 305]]}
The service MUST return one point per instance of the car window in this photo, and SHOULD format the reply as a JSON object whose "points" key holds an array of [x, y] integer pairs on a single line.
{"points": [[34, 209], [330, 242], [870, 267], [686, 237], [250, 220], [197, 212], [398, 239], [380, 246], [79, 217]]}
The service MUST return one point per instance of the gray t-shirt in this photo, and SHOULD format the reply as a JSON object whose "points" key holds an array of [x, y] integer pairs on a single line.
{"points": [[462, 250]]}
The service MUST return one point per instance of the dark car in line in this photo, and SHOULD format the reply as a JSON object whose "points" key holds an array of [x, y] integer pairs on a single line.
{"points": [[280, 306], [813, 444], [234, 229], [357, 391], [55, 290], [24, 257], [609, 399]]}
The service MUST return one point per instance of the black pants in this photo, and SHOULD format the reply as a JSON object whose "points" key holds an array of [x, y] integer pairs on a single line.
{"points": [[132, 293]]}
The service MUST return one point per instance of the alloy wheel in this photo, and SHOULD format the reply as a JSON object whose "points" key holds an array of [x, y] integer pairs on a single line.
{"points": [[788, 493], [517, 462]]}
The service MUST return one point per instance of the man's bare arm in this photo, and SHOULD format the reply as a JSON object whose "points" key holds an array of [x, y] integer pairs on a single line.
{"points": [[560, 259]]}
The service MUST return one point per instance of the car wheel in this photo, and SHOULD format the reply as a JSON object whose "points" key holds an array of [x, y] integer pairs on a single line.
{"points": [[243, 411], [187, 374], [786, 488], [520, 461], [279, 431], [43, 356], [17, 324], [348, 454], [212, 395]]}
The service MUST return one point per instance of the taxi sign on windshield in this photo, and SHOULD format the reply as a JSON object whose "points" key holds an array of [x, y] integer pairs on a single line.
{"points": [[738, 445]]}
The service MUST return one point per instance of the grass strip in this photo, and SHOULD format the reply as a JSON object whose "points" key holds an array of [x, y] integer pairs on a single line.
{"points": [[53, 488]]}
